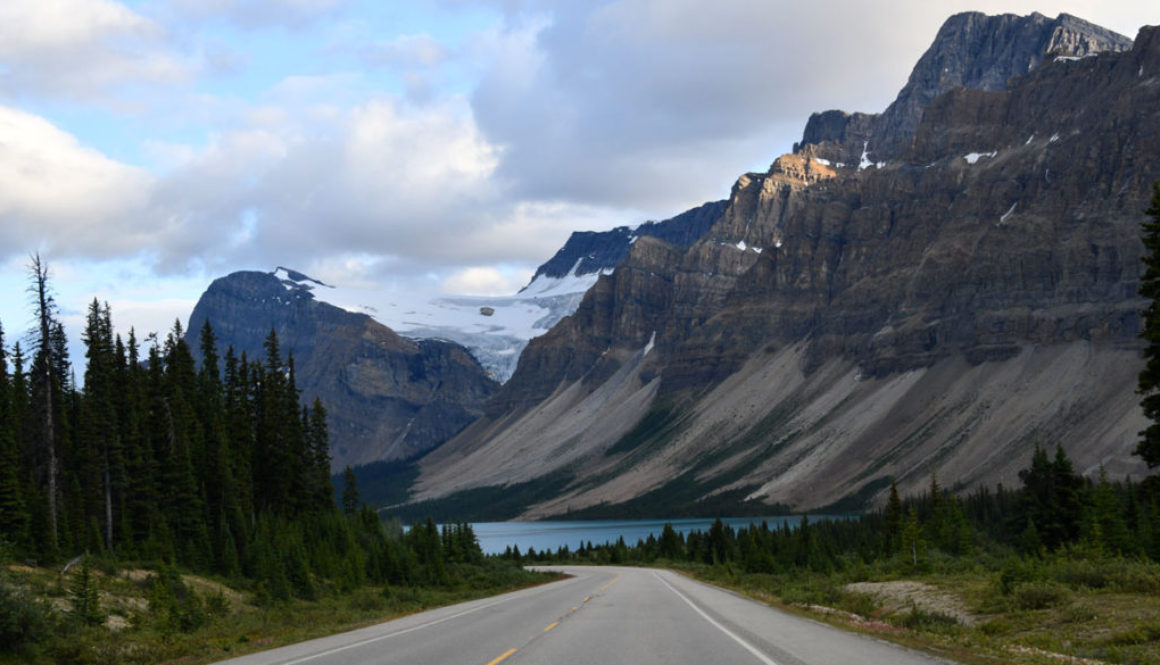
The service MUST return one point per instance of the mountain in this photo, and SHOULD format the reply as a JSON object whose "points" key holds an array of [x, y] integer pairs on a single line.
{"points": [[387, 397], [595, 252], [937, 302], [495, 329], [973, 51], [401, 374]]}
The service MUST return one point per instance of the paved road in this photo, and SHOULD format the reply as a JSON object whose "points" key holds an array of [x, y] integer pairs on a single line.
{"points": [[600, 616]]}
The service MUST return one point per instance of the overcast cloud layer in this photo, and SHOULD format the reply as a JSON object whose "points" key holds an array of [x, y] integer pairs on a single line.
{"points": [[147, 147]]}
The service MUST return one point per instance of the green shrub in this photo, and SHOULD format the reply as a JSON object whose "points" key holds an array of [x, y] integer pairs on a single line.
{"points": [[25, 623], [366, 600], [173, 604], [995, 627], [1083, 573], [929, 621], [1137, 635], [1040, 595], [863, 604], [1015, 572], [217, 605], [1078, 614]]}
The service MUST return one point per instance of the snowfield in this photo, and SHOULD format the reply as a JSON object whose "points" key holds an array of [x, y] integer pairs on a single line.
{"points": [[495, 339]]}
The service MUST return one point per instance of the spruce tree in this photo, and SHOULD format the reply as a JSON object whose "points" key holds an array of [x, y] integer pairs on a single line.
{"points": [[913, 546], [84, 600], [13, 513], [350, 498], [670, 543], [98, 426], [894, 515], [318, 437], [1149, 379], [44, 387]]}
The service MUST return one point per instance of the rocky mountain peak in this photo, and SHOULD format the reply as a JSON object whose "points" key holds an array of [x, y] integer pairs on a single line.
{"points": [[930, 290], [388, 397], [971, 50], [592, 252]]}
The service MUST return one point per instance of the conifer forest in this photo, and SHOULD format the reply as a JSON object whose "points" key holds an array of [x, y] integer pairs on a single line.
{"points": [[213, 468]]}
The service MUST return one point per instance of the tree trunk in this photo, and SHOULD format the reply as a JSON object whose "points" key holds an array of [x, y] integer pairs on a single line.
{"points": [[48, 431]]}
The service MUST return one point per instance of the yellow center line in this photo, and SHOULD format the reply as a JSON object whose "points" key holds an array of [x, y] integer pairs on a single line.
{"points": [[502, 657], [551, 626], [610, 583], [587, 598]]}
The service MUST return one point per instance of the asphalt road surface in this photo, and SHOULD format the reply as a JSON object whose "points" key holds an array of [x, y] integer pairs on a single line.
{"points": [[599, 616]]}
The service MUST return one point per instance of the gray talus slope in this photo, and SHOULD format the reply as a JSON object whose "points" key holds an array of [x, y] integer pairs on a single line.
{"points": [[841, 325]]}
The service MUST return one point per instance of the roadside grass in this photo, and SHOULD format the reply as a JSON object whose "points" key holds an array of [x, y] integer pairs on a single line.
{"points": [[134, 633], [1062, 609]]}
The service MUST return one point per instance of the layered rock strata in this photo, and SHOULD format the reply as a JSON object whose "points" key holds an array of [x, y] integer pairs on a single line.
{"points": [[847, 322]]}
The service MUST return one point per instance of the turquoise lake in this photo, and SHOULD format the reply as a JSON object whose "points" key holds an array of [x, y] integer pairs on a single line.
{"points": [[494, 537]]}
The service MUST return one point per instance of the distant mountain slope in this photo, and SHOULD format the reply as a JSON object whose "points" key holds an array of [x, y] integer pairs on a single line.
{"points": [[851, 319], [498, 337], [387, 397], [593, 252]]}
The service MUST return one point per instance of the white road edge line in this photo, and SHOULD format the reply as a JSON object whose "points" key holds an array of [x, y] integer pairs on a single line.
{"points": [[736, 638], [369, 640]]}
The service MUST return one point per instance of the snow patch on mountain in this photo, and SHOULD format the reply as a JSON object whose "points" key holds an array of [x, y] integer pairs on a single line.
{"points": [[495, 339]]}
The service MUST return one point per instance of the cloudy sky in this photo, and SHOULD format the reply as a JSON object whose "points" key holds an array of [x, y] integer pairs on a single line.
{"points": [[149, 146]]}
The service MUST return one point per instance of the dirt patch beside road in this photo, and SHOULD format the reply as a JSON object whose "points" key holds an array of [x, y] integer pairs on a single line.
{"points": [[899, 595]]}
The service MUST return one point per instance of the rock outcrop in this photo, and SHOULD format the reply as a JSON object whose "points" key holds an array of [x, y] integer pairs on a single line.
{"points": [[972, 51], [852, 318], [591, 252], [387, 397]]}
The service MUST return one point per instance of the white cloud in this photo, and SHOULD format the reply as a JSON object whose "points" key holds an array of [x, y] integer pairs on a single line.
{"points": [[61, 195], [411, 51], [81, 49], [254, 14], [663, 102], [578, 115], [485, 281]]}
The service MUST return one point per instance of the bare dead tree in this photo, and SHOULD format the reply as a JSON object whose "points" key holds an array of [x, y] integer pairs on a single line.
{"points": [[45, 305]]}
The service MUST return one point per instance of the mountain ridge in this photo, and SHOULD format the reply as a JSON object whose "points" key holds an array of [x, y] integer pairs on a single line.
{"points": [[387, 397], [838, 298]]}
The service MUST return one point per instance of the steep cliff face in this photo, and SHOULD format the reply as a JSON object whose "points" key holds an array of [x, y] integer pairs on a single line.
{"points": [[973, 51], [844, 322], [387, 397]]}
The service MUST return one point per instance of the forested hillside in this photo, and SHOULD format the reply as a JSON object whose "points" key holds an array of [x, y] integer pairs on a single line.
{"points": [[150, 468], [153, 457]]}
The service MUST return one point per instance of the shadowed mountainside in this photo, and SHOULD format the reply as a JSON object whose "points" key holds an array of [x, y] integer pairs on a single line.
{"points": [[844, 322]]}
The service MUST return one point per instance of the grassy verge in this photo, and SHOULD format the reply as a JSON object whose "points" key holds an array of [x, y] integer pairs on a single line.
{"points": [[228, 623], [1059, 610]]}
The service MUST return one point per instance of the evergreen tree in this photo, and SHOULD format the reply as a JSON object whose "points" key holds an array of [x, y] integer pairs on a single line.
{"points": [[894, 517], [913, 546], [45, 386], [670, 546], [1067, 501], [84, 599], [99, 445], [13, 513], [350, 497], [1104, 526], [318, 438], [1050, 500], [1149, 379], [935, 519]]}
